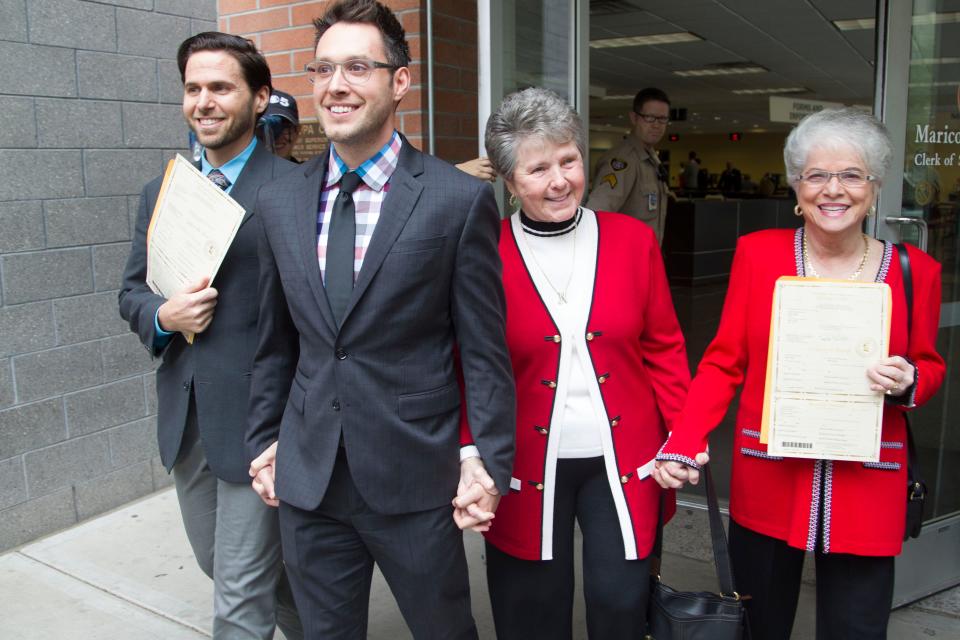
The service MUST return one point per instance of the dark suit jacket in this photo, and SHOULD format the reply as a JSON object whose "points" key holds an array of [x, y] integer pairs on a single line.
{"points": [[430, 280], [217, 365]]}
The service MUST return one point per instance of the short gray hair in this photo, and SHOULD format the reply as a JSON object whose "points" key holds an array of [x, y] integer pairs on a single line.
{"points": [[832, 128], [530, 113]]}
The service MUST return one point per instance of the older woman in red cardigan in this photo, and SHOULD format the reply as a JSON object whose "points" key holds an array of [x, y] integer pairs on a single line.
{"points": [[851, 514], [601, 371]]}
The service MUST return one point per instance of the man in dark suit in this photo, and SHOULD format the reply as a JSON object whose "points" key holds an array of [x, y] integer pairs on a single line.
{"points": [[202, 388], [378, 263]]}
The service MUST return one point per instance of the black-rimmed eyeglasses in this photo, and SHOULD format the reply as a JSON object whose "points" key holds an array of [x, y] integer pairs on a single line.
{"points": [[649, 118]]}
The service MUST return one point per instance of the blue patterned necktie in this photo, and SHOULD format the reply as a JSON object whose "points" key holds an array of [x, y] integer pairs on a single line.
{"points": [[217, 178]]}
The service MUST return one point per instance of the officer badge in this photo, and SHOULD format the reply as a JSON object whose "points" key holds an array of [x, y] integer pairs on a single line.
{"points": [[618, 164], [611, 180]]}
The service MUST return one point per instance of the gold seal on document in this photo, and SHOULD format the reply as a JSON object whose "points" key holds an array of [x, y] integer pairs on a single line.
{"points": [[867, 347]]}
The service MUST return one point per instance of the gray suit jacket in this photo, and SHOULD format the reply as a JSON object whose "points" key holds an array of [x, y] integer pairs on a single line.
{"points": [[217, 366], [386, 377]]}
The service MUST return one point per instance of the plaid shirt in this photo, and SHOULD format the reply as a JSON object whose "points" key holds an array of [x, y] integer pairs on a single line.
{"points": [[367, 199]]}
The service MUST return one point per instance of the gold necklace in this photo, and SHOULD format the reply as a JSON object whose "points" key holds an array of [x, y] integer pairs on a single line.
{"points": [[561, 295], [854, 275]]}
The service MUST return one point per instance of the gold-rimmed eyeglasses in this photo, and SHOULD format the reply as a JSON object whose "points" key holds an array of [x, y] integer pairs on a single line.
{"points": [[850, 179], [355, 71]]}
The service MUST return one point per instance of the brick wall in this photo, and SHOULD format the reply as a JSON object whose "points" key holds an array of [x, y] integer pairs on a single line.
{"points": [[282, 30], [90, 94]]}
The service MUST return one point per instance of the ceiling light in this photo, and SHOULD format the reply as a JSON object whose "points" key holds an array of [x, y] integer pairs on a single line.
{"points": [[926, 61], [857, 24], [936, 18], [731, 70], [644, 41], [924, 19], [760, 92], [619, 96]]}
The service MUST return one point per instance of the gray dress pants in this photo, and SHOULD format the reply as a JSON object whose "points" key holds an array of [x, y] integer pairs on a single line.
{"points": [[236, 540]]}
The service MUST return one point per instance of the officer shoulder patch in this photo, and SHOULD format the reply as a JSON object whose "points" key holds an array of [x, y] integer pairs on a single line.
{"points": [[617, 164], [610, 179]]}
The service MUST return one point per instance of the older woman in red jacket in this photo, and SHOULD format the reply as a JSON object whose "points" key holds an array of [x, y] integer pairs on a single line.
{"points": [[601, 371], [851, 514]]}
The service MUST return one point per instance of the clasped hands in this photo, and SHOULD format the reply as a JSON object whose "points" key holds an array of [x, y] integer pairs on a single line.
{"points": [[477, 496]]}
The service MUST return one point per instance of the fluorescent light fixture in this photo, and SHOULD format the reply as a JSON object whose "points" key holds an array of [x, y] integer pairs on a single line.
{"points": [[936, 18], [645, 41], [857, 24], [924, 19], [737, 70], [771, 90], [619, 96], [931, 61]]}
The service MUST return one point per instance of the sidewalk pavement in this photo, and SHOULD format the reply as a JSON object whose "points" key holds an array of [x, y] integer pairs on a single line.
{"points": [[130, 574]]}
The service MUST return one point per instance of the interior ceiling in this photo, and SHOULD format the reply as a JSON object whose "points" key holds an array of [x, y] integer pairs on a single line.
{"points": [[795, 40]]}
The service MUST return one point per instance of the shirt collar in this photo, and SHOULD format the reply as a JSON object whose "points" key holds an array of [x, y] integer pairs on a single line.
{"points": [[374, 171], [232, 168]]}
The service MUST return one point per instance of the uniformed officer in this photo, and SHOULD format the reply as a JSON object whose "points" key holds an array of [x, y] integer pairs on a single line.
{"points": [[629, 178]]}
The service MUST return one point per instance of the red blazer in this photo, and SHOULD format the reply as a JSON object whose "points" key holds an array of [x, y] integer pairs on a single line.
{"points": [[864, 504], [639, 359]]}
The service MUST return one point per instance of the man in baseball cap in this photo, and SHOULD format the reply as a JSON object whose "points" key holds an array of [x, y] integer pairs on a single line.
{"points": [[279, 127]]}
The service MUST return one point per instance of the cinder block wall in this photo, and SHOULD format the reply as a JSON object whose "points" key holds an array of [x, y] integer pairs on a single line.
{"points": [[90, 95]]}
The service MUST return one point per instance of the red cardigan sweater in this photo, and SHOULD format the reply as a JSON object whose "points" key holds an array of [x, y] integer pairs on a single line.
{"points": [[638, 356], [863, 504]]}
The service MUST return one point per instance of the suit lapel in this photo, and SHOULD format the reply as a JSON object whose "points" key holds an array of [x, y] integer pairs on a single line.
{"points": [[304, 225], [404, 193]]}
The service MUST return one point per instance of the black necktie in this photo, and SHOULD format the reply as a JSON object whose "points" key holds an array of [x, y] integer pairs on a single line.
{"points": [[217, 178], [341, 243]]}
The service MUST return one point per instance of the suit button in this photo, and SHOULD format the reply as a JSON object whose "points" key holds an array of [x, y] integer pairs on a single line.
{"points": [[186, 386], [336, 405], [539, 486], [341, 354], [624, 479]]}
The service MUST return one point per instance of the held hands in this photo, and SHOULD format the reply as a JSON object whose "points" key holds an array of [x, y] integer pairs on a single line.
{"points": [[189, 311], [263, 472], [673, 475], [892, 376], [479, 168], [477, 496]]}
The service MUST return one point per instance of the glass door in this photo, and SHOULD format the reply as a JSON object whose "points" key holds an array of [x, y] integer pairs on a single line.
{"points": [[532, 43], [921, 107]]}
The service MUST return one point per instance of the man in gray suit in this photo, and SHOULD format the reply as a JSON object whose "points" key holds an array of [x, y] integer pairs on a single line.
{"points": [[202, 388], [377, 264]]}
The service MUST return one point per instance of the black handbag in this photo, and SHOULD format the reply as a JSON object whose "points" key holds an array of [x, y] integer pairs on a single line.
{"points": [[916, 487], [700, 615]]}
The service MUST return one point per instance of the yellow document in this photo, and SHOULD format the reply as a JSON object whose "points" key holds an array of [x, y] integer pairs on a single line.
{"points": [[823, 336], [191, 229]]}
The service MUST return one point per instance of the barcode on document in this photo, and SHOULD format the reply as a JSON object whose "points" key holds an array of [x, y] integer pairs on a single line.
{"points": [[797, 445]]}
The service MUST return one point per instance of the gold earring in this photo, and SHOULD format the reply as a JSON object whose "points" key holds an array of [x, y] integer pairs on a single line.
{"points": [[872, 210], [514, 201], [797, 211]]}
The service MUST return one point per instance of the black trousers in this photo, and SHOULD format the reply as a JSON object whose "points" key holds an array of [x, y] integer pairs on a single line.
{"points": [[854, 593], [534, 599], [330, 552]]}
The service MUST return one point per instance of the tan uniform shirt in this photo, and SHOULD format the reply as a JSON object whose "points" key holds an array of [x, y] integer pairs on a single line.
{"points": [[627, 181]]}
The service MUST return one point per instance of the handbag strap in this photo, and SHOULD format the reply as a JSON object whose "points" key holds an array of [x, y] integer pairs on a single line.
{"points": [[913, 463], [718, 538]]}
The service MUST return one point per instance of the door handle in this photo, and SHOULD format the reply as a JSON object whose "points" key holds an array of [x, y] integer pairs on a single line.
{"points": [[920, 223]]}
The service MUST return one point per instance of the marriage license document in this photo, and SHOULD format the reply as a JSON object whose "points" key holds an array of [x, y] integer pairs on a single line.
{"points": [[193, 224], [818, 402]]}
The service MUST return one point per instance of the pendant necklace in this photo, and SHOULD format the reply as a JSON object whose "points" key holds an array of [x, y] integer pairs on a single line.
{"points": [[853, 276], [561, 295]]}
